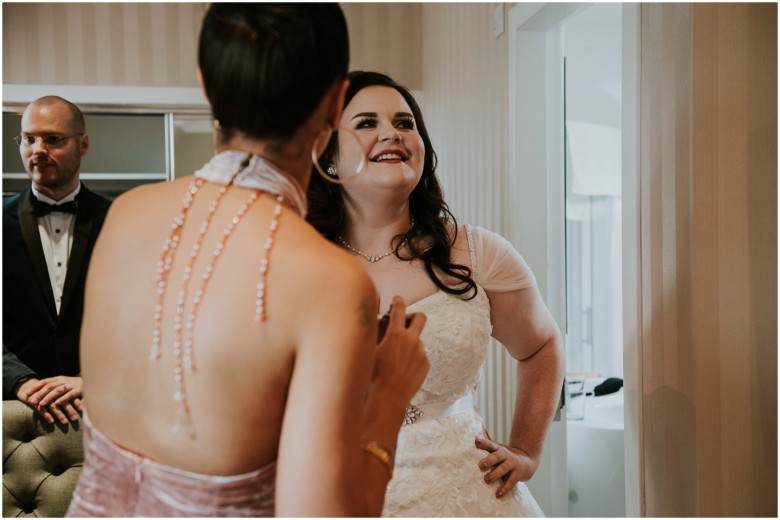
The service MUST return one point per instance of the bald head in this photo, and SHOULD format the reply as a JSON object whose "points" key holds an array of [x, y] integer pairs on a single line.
{"points": [[76, 119]]}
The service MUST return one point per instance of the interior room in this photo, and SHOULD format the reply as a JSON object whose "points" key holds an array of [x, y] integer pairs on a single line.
{"points": [[628, 151]]}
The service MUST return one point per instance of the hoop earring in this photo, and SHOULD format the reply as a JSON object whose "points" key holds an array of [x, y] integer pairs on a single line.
{"points": [[332, 174], [362, 165]]}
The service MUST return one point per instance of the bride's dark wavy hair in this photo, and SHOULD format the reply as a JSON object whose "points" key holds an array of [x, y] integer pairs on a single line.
{"points": [[429, 239]]}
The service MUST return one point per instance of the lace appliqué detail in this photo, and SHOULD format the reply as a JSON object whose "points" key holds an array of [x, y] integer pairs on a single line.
{"points": [[436, 467], [227, 169]]}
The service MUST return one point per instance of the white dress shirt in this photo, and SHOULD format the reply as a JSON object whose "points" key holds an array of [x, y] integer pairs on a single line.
{"points": [[56, 230]]}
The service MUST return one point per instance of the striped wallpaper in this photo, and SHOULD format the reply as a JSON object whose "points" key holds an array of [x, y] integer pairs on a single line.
{"points": [[465, 84], [386, 38], [155, 44], [138, 44], [708, 334]]}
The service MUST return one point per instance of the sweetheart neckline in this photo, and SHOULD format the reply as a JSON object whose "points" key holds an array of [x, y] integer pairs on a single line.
{"points": [[424, 298], [439, 291]]}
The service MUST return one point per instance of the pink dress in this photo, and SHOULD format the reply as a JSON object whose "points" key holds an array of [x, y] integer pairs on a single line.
{"points": [[119, 483]]}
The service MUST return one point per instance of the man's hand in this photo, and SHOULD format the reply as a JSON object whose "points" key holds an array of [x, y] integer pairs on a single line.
{"points": [[55, 398]]}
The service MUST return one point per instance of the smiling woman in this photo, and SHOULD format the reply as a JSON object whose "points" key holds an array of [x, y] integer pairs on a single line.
{"points": [[362, 137], [469, 282]]}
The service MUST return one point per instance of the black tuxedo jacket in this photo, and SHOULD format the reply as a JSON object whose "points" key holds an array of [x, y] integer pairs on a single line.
{"points": [[36, 341]]}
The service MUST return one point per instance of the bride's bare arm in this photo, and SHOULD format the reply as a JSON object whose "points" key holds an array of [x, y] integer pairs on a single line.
{"points": [[522, 322], [322, 470]]}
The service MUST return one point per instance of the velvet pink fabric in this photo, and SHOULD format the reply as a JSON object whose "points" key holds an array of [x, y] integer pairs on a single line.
{"points": [[117, 483]]}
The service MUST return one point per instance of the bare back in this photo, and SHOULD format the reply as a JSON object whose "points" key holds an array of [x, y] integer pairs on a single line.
{"points": [[244, 369]]}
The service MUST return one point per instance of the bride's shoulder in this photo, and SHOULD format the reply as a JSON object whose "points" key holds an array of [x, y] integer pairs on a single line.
{"points": [[463, 236], [481, 238]]}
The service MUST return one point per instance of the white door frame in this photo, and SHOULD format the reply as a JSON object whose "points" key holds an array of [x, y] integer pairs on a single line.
{"points": [[536, 163], [632, 289], [536, 190]]}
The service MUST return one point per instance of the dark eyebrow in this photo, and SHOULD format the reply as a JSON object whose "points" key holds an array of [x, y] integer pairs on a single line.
{"points": [[365, 114], [373, 114]]}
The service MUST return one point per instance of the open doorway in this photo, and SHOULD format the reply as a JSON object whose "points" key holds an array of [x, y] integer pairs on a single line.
{"points": [[573, 125], [592, 76]]}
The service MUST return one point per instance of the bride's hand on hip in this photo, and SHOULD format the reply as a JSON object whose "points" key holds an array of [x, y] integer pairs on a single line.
{"points": [[400, 360], [506, 464]]}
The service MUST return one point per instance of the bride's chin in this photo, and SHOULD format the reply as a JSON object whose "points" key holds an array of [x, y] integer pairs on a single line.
{"points": [[383, 179], [400, 176], [397, 182]]}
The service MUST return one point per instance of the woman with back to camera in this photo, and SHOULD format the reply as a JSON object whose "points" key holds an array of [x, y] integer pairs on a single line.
{"points": [[228, 349], [378, 197]]}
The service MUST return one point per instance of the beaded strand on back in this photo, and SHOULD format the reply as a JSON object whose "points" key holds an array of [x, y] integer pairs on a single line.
{"points": [[183, 345], [260, 311], [166, 262], [186, 359]]}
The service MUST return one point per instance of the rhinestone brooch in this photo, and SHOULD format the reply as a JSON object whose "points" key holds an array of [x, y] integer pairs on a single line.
{"points": [[412, 414]]}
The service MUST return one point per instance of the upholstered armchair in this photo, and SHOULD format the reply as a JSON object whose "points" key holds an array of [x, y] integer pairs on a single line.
{"points": [[41, 463]]}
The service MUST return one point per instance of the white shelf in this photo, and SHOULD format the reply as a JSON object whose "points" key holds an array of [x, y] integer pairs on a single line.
{"points": [[161, 99]]}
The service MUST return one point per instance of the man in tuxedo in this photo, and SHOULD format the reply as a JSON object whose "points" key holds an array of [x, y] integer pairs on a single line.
{"points": [[49, 231]]}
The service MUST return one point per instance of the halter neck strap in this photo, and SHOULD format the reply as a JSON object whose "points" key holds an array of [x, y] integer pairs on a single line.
{"points": [[257, 173]]}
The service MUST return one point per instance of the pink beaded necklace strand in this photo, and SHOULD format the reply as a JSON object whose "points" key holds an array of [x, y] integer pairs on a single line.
{"points": [[189, 358], [184, 357], [166, 262], [260, 311]]}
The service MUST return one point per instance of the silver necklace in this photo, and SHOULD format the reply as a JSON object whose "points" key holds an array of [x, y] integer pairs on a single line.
{"points": [[371, 258]]}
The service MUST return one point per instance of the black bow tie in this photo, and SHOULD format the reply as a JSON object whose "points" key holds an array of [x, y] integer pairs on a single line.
{"points": [[41, 208]]}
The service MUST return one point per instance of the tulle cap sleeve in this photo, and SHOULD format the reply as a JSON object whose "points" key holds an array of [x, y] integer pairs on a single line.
{"points": [[497, 265]]}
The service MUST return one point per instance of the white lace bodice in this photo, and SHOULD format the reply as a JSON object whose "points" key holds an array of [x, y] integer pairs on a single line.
{"points": [[436, 466], [456, 334], [457, 331]]}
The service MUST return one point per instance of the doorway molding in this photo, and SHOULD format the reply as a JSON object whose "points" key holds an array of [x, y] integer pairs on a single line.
{"points": [[536, 183]]}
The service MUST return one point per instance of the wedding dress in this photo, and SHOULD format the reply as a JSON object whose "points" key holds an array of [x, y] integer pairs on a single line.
{"points": [[436, 472]]}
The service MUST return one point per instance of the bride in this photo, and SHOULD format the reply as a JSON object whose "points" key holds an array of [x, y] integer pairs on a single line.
{"points": [[377, 196]]}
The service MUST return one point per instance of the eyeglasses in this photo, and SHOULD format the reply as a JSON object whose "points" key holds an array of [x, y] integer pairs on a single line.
{"points": [[49, 140]]}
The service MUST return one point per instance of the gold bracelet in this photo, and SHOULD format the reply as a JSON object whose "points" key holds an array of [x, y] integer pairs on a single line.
{"points": [[382, 454]]}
